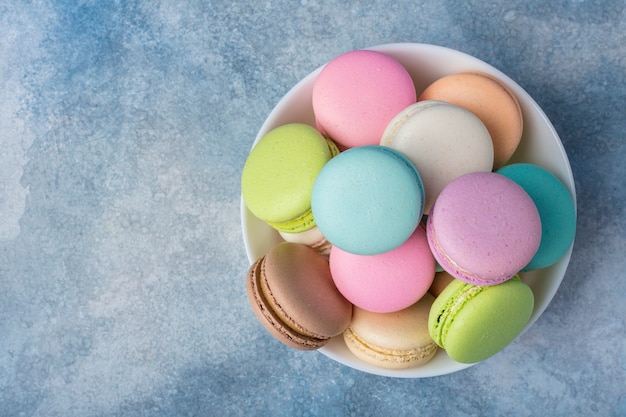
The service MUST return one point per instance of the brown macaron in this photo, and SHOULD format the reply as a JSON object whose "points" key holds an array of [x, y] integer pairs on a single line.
{"points": [[292, 293], [493, 103], [440, 282]]}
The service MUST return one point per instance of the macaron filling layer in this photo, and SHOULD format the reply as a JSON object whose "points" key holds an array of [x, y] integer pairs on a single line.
{"points": [[332, 147], [383, 354], [447, 313], [299, 224]]}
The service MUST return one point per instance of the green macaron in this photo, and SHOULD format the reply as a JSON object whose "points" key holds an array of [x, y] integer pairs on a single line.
{"points": [[473, 323], [279, 174]]}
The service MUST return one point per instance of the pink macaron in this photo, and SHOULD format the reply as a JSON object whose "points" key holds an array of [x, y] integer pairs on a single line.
{"points": [[483, 228], [357, 94], [386, 282]]}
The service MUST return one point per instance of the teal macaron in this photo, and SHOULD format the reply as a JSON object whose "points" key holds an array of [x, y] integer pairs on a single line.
{"points": [[473, 323], [368, 200], [556, 209]]}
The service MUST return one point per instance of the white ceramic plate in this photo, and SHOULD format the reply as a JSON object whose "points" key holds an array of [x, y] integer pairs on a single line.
{"points": [[540, 145]]}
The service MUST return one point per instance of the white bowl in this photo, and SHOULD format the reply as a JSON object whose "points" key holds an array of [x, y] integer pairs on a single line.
{"points": [[540, 145]]}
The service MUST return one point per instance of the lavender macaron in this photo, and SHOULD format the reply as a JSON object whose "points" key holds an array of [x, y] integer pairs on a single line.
{"points": [[483, 228]]}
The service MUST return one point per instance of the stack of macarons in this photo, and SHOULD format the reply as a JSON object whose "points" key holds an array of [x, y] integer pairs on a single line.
{"points": [[406, 229]]}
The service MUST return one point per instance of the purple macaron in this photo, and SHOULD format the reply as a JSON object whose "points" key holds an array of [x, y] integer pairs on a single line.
{"points": [[483, 228]]}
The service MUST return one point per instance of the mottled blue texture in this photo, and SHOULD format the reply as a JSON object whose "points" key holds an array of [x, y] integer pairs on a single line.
{"points": [[124, 126]]}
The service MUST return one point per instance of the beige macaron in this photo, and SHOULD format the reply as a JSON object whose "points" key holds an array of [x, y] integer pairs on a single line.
{"points": [[489, 99], [440, 282], [395, 340]]}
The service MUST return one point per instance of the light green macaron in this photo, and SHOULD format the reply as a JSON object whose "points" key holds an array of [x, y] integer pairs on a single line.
{"points": [[473, 323], [279, 173]]}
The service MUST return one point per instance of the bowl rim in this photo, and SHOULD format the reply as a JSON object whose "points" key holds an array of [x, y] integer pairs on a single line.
{"points": [[459, 61]]}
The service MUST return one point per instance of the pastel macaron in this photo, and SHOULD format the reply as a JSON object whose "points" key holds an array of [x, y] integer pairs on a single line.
{"points": [[279, 174], [494, 104], [556, 210], [368, 200], [440, 282], [473, 323], [356, 95], [292, 293], [397, 340], [312, 238], [443, 141], [483, 228], [385, 282]]}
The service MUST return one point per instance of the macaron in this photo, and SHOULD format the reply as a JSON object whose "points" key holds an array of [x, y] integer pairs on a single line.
{"points": [[473, 323], [368, 200], [292, 293], [356, 95], [440, 282], [556, 210], [385, 282], [395, 340], [312, 237], [443, 141], [483, 228], [494, 104], [279, 174]]}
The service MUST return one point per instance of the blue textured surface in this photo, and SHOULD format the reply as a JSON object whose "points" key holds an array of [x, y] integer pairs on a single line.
{"points": [[124, 126]]}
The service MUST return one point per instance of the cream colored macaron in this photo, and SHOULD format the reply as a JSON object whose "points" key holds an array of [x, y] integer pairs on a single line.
{"points": [[494, 104], [395, 340], [443, 141]]}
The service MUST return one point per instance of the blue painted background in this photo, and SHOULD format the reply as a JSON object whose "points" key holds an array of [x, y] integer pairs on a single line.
{"points": [[124, 126]]}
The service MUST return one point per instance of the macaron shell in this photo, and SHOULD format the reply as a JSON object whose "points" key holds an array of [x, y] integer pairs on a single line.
{"points": [[279, 174], [357, 94], [442, 141], [300, 283], [270, 320], [483, 228], [292, 293], [440, 282], [392, 340], [556, 210], [368, 200], [487, 98], [473, 323], [385, 282]]}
